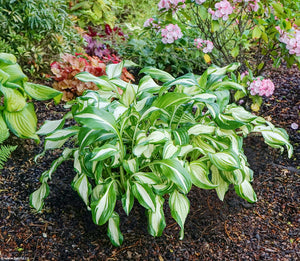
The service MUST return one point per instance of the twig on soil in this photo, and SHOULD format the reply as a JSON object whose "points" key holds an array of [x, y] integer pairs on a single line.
{"points": [[124, 248], [226, 231]]}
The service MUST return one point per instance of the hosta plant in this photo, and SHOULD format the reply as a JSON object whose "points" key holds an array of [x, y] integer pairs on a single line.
{"points": [[17, 113], [154, 140]]}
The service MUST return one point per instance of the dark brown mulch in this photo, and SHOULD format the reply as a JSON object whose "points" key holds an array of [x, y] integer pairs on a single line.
{"points": [[214, 230]]}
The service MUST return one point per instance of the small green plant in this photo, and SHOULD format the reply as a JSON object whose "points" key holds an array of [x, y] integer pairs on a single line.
{"points": [[16, 113], [149, 141]]}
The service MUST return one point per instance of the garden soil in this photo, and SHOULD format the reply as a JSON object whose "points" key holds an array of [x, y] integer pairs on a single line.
{"points": [[214, 230]]}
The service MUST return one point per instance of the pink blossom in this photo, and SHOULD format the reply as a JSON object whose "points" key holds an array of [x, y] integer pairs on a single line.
{"points": [[243, 74], [200, 43], [171, 33], [151, 23], [252, 5], [291, 39], [223, 10], [262, 87], [170, 4]]}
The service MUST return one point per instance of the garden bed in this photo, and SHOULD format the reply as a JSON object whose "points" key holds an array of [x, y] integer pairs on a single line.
{"points": [[214, 230]]}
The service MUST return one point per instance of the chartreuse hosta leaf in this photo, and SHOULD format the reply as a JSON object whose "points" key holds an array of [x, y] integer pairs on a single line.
{"points": [[180, 207], [22, 123], [8, 58], [4, 132], [156, 219], [13, 99], [41, 92], [37, 197], [103, 208], [113, 230], [14, 71]]}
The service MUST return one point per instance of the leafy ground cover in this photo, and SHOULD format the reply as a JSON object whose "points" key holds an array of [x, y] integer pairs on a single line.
{"points": [[214, 230]]}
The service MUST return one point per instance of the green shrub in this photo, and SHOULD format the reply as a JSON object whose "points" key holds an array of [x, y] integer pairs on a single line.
{"points": [[16, 114], [150, 141], [36, 31]]}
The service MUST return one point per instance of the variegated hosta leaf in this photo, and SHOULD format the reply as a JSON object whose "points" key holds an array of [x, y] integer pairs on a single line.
{"points": [[228, 161], [113, 230], [199, 175], [226, 85], [157, 74], [83, 187], [205, 97], [180, 207], [171, 99], [127, 198], [149, 178], [173, 170], [114, 70], [128, 95], [201, 129], [99, 81], [185, 80], [147, 84], [156, 219], [63, 134], [97, 119], [131, 166], [87, 136], [104, 152], [223, 186], [170, 151], [50, 126], [181, 136], [245, 191], [103, 208], [235, 177], [144, 195], [240, 114], [37, 197], [156, 137]]}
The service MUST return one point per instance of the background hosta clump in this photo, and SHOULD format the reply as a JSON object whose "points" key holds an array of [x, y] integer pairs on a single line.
{"points": [[16, 114], [150, 142]]}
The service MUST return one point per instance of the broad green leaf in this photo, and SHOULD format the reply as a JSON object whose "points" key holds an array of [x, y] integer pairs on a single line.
{"points": [[235, 51], [41, 92], [7, 58], [14, 71], [156, 219], [127, 199], [103, 209], [199, 175], [114, 70], [113, 230], [97, 119], [246, 191], [223, 186], [144, 195], [83, 188], [256, 33], [157, 74], [37, 197], [13, 99], [4, 132], [225, 160], [173, 170], [104, 152], [180, 207], [3, 77], [22, 123]]}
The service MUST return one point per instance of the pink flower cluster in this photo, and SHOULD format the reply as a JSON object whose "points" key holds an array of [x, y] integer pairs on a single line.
{"points": [[199, 2], [170, 4], [262, 87], [171, 33], [151, 23], [223, 10], [252, 4], [291, 39], [200, 43]]}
